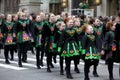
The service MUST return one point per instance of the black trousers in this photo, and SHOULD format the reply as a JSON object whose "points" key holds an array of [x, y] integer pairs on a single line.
{"points": [[76, 60], [42, 51], [38, 52], [8, 48], [95, 66], [48, 55], [37, 56], [22, 52], [88, 64], [61, 63], [68, 63], [49, 59], [110, 67]]}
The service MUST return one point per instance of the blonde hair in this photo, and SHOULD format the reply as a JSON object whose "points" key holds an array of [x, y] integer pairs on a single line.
{"points": [[20, 14], [76, 19]]}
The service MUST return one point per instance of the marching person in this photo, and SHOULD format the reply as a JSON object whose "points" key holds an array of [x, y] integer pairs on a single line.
{"points": [[9, 38], [38, 39], [90, 49], [70, 48], [61, 26], [110, 47], [23, 37], [79, 35], [1, 32], [15, 20], [50, 35], [99, 31]]}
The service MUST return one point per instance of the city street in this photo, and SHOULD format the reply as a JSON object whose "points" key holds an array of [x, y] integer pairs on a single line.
{"points": [[30, 72]]}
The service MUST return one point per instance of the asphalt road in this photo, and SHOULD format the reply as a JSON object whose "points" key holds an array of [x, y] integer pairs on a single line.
{"points": [[30, 72]]}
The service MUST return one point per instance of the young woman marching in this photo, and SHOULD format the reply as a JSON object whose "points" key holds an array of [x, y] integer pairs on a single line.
{"points": [[70, 48], [22, 31], [38, 39], [90, 47], [9, 37], [1, 33], [50, 47], [110, 47], [61, 26], [15, 20], [99, 30], [79, 35]]}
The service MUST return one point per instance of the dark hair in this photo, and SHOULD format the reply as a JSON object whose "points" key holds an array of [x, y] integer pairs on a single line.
{"points": [[83, 17], [109, 25], [24, 9], [113, 18], [119, 14], [33, 15], [91, 21]]}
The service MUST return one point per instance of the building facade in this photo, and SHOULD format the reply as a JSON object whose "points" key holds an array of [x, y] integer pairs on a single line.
{"points": [[9, 6], [106, 8], [51, 6]]}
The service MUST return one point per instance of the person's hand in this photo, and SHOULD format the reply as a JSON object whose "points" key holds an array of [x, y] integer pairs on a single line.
{"points": [[102, 52]]}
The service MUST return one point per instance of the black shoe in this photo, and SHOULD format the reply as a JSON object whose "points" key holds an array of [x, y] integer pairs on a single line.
{"points": [[41, 63], [15, 51], [20, 65], [38, 67], [111, 78], [61, 73], [25, 61], [12, 59], [54, 59], [95, 74], [86, 78], [76, 70], [7, 62], [69, 76], [51, 65], [48, 70]]}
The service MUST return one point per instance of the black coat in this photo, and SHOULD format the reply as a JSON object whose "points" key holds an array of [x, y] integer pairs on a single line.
{"points": [[110, 45], [8, 31]]}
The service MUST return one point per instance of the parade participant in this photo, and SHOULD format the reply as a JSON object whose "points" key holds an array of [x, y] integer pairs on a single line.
{"points": [[9, 38], [23, 38], [70, 48], [110, 47], [79, 35], [56, 29], [3, 17], [30, 24], [15, 20], [90, 47], [50, 28], [99, 31], [1, 32], [61, 26], [38, 39], [82, 19], [117, 37], [45, 23]]}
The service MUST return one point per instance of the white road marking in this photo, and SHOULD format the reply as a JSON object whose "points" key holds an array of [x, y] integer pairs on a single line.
{"points": [[33, 59], [10, 66]]}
